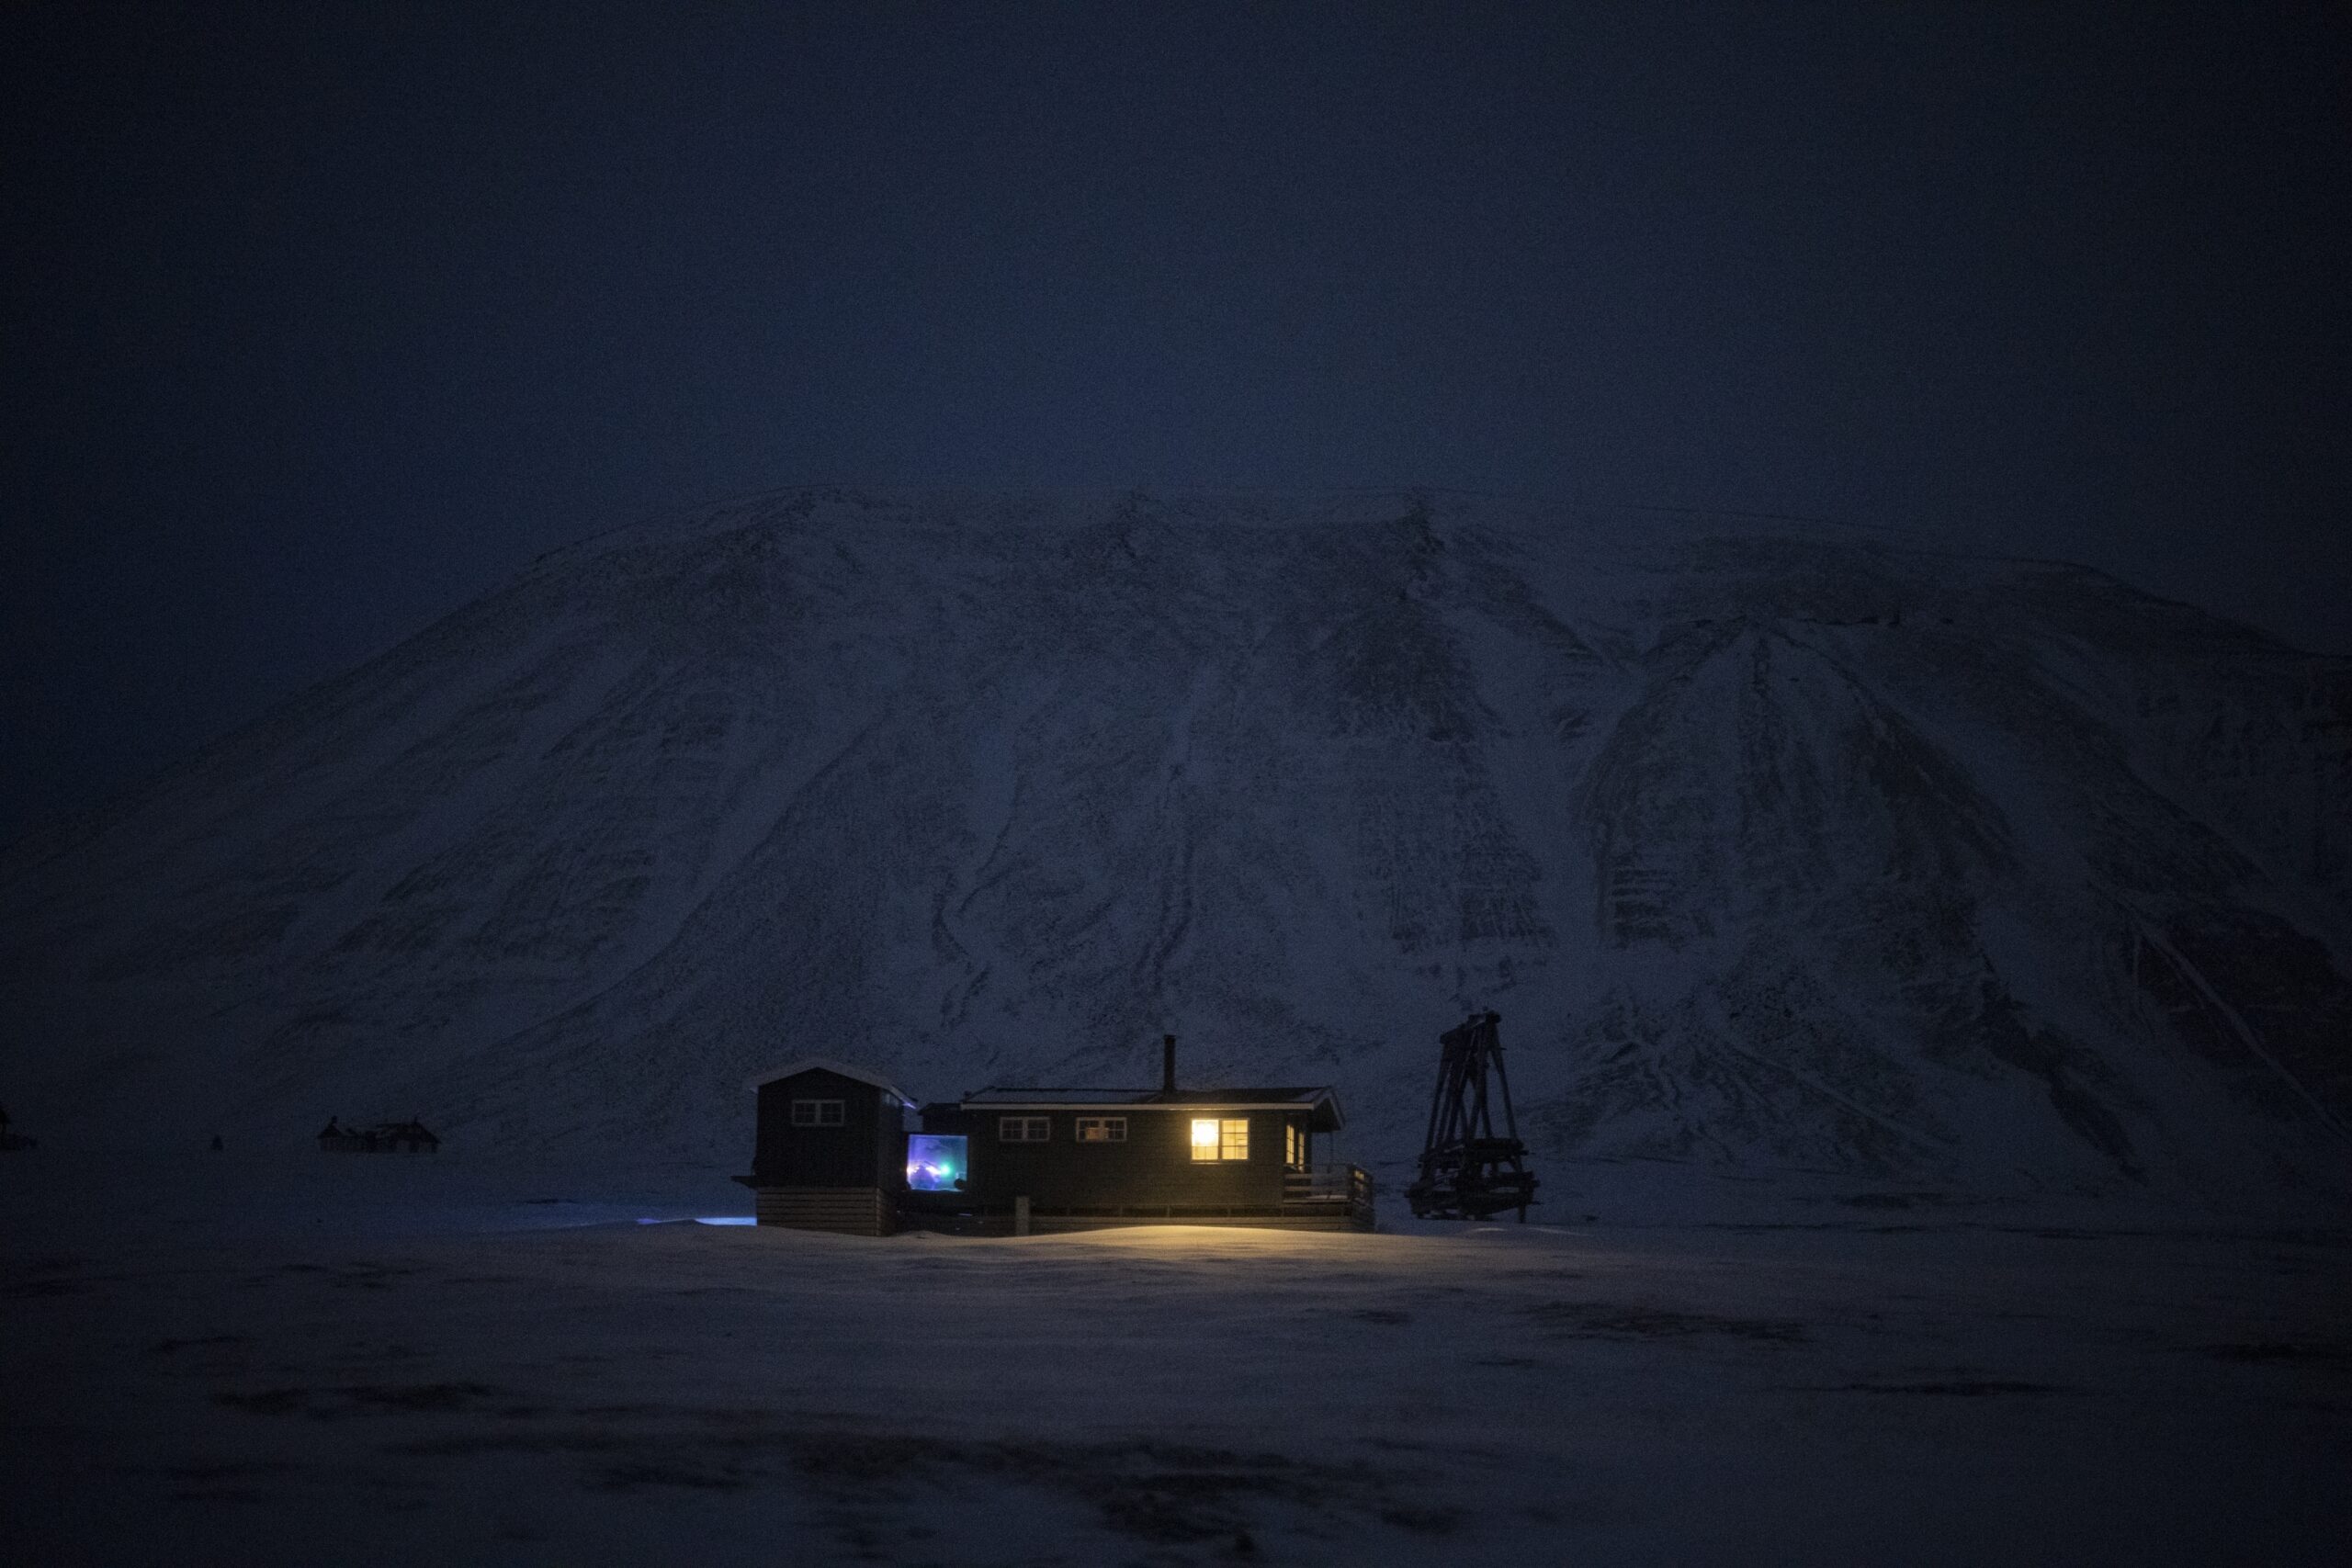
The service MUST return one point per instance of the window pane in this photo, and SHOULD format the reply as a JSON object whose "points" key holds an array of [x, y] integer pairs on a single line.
{"points": [[1236, 1140], [935, 1162], [1204, 1140]]}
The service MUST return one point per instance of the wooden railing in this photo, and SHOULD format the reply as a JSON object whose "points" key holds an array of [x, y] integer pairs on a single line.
{"points": [[1348, 1184]]}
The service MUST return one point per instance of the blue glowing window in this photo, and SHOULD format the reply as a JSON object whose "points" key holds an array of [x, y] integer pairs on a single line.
{"points": [[934, 1162]]}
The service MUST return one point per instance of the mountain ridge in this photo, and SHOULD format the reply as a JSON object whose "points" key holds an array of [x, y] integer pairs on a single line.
{"points": [[1777, 850]]}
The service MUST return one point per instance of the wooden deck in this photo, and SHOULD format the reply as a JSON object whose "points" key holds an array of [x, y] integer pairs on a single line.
{"points": [[1342, 1192]]}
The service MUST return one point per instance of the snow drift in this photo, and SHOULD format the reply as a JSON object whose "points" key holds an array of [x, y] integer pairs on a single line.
{"points": [[1775, 847]]}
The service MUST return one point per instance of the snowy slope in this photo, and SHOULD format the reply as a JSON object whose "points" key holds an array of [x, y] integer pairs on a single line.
{"points": [[1774, 849]]}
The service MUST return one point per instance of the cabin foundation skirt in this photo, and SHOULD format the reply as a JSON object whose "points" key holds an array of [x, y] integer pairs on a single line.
{"points": [[1298, 1217], [845, 1211]]}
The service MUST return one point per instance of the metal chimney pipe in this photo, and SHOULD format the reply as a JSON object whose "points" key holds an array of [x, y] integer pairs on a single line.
{"points": [[1168, 1064]]}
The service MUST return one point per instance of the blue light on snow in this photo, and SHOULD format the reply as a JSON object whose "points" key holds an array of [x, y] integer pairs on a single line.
{"points": [[726, 1219]]}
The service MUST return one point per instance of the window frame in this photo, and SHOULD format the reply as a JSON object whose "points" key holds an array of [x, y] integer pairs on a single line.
{"points": [[1032, 1130], [1227, 1148], [1231, 1145], [1111, 1129], [817, 1110]]}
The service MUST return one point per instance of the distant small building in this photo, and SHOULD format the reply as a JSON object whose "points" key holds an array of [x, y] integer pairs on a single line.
{"points": [[409, 1137], [832, 1154]]}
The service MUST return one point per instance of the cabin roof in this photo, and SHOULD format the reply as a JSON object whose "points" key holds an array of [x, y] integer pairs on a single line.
{"points": [[809, 1063], [1320, 1098]]}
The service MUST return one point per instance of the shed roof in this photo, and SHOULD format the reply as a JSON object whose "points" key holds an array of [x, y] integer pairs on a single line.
{"points": [[847, 1070]]}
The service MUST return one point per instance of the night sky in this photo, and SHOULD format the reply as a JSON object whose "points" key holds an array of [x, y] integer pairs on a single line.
{"points": [[320, 321]]}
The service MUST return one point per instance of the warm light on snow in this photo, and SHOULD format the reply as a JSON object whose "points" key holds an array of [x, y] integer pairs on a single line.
{"points": [[1718, 1356]]}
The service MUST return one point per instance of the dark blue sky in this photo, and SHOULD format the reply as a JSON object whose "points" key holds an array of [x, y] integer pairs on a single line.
{"points": [[319, 322]]}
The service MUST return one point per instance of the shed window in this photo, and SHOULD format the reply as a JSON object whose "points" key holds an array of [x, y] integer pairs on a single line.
{"points": [[1221, 1139], [1293, 1145], [819, 1112], [1024, 1129], [1102, 1129]]}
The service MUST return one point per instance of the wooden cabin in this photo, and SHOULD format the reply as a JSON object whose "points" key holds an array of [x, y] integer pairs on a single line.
{"points": [[1042, 1159], [831, 1155], [831, 1151]]}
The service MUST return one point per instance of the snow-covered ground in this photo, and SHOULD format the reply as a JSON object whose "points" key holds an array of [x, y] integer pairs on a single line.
{"points": [[304, 1359]]}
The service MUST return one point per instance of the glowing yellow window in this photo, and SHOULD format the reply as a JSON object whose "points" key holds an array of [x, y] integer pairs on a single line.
{"points": [[1227, 1139]]}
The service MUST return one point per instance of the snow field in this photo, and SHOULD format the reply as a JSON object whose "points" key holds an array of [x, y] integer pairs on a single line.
{"points": [[389, 1360]]}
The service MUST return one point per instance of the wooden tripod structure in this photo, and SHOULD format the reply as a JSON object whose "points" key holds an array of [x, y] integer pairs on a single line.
{"points": [[1468, 1171]]}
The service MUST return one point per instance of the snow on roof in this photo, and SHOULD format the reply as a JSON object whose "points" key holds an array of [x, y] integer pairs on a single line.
{"points": [[1224, 1099], [997, 1096], [806, 1064]]}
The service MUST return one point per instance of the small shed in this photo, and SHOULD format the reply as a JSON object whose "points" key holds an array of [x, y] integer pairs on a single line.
{"points": [[409, 1137], [831, 1151]]}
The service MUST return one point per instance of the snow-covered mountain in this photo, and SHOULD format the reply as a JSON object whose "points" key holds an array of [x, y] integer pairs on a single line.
{"points": [[1774, 846]]}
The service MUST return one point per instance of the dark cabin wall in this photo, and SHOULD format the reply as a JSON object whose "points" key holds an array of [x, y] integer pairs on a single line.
{"points": [[1153, 1168], [891, 1145], [869, 1149]]}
